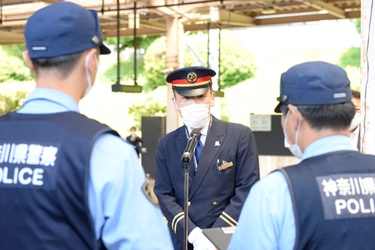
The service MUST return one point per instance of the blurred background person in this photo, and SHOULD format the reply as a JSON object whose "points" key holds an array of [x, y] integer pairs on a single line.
{"points": [[135, 140], [355, 125]]}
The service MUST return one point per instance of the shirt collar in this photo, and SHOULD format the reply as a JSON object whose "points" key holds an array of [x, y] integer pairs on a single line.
{"points": [[57, 101], [327, 145]]}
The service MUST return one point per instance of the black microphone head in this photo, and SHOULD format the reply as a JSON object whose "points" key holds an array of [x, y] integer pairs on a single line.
{"points": [[195, 133], [192, 142]]}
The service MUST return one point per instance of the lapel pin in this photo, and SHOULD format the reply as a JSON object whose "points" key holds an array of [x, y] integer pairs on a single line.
{"points": [[217, 143]]}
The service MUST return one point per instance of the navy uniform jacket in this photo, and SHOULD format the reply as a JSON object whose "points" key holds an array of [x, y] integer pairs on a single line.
{"points": [[215, 196]]}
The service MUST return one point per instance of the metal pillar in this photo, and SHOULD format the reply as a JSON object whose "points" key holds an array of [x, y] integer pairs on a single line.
{"points": [[174, 56], [368, 76], [214, 63]]}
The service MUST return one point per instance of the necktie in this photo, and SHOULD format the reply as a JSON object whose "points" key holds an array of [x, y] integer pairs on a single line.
{"points": [[198, 150]]}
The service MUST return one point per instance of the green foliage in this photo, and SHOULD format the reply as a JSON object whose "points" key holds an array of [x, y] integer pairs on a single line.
{"points": [[357, 23], [127, 66], [126, 70], [237, 63], [11, 102], [351, 57], [143, 41], [15, 50], [148, 107], [13, 68], [234, 69], [154, 62]]}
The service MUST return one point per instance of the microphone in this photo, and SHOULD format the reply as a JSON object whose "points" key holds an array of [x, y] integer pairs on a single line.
{"points": [[192, 142]]}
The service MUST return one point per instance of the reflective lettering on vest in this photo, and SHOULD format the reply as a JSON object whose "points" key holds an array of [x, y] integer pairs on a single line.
{"points": [[5, 178], [347, 195], [354, 206], [25, 176], [28, 165]]}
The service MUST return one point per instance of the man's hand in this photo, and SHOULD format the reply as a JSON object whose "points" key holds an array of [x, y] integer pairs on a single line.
{"points": [[199, 241]]}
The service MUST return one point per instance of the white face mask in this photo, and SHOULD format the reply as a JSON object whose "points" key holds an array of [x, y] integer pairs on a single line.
{"points": [[88, 77], [355, 122], [195, 116], [294, 149]]}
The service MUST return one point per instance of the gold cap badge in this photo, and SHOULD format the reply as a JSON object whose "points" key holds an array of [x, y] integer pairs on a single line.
{"points": [[192, 77]]}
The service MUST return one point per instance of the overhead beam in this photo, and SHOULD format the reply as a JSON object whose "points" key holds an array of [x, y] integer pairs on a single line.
{"points": [[203, 26], [168, 10], [193, 14], [142, 31], [294, 19], [11, 37], [50, 1], [320, 5], [232, 18], [153, 25]]}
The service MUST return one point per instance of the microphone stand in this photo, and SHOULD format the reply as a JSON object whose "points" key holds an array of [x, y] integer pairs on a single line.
{"points": [[186, 158], [186, 197]]}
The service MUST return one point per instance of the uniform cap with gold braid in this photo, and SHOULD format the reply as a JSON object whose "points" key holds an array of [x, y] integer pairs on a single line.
{"points": [[191, 81]]}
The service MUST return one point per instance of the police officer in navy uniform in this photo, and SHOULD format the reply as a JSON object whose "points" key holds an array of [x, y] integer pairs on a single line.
{"points": [[66, 181], [220, 178], [327, 200]]}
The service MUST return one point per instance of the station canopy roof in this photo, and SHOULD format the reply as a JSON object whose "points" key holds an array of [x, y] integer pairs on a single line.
{"points": [[151, 15]]}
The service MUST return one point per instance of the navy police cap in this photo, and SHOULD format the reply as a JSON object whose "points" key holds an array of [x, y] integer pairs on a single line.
{"points": [[63, 28], [191, 81], [314, 84]]}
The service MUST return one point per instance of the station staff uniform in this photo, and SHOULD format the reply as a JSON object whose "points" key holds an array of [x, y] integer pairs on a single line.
{"points": [[227, 168]]}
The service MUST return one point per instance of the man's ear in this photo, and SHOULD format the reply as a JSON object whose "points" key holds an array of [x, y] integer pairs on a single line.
{"points": [[93, 60], [294, 115], [213, 99], [174, 103], [27, 58]]}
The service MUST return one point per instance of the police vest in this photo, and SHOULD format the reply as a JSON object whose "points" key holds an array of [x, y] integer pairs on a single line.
{"points": [[44, 174], [333, 198]]}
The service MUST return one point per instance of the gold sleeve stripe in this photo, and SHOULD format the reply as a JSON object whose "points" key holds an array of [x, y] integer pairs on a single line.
{"points": [[176, 217], [229, 220], [175, 221]]}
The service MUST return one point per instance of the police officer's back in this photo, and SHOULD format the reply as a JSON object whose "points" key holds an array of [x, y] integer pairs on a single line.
{"points": [[327, 200], [66, 181]]}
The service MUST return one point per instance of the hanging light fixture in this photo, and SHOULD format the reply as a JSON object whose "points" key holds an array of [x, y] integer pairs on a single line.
{"points": [[118, 87]]}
